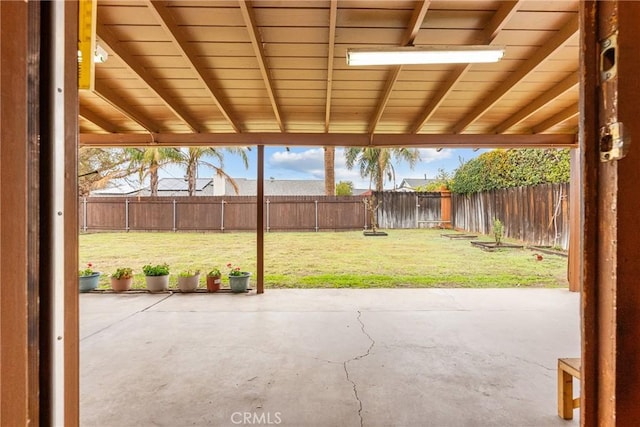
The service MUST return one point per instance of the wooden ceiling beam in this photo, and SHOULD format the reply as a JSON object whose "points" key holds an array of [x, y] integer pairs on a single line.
{"points": [[333, 17], [551, 46], [419, 12], [123, 107], [186, 49], [250, 21], [129, 60], [103, 124], [330, 139], [540, 102], [498, 21], [557, 118]]}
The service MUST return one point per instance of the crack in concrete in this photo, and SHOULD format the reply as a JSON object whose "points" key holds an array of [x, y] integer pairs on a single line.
{"points": [[125, 318], [353, 359]]}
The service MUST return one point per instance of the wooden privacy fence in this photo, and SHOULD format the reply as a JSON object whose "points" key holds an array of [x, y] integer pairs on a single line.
{"points": [[230, 213], [537, 215], [409, 209]]}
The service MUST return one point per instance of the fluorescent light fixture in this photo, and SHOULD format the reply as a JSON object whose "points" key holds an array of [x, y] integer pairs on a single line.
{"points": [[424, 55]]}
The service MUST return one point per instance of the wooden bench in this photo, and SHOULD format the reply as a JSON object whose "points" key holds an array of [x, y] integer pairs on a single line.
{"points": [[567, 369]]}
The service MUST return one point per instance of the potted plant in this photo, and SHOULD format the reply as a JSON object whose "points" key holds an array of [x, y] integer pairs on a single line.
{"points": [[157, 277], [213, 280], [88, 279], [238, 280], [188, 280], [122, 279]]}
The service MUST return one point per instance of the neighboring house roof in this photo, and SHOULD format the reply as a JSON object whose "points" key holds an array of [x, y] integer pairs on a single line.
{"points": [[118, 190], [413, 183], [275, 187], [181, 184]]}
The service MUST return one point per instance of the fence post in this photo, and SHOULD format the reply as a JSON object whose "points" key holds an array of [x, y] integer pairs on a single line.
{"points": [[84, 213], [417, 212], [366, 208], [222, 215], [267, 214], [316, 203], [126, 215], [174, 215]]}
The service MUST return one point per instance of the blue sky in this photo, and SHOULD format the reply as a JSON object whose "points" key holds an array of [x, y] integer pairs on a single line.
{"points": [[308, 163]]}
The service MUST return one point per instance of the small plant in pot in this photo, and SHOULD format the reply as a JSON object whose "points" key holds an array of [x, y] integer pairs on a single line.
{"points": [[214, 280], [157, 277], [121, 279], [238, 280], [188, 280], [88, 279]]}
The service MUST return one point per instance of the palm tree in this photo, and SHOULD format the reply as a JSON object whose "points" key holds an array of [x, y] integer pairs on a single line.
{"points": [[148, 161], [376, 162], [329, 171], [193, 157]]}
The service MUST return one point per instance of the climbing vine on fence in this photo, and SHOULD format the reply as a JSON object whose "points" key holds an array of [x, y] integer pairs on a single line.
{"points": [[512, 168]]}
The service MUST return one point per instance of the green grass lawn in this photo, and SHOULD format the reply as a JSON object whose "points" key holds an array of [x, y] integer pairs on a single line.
{"points": [[405, 258]]}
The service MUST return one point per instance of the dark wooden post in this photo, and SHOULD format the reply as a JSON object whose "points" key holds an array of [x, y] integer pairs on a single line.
{"points": [[611, 270], [260, 222]]}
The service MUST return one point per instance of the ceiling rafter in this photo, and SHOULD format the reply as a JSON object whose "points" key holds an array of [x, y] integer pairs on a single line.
{"points": [[551, 46], [250, 21], [121, 105], [564, 115], [102, 123], [419, 12], [132, 64], [495, 25], [540, 102], [167, 22], [330, 139], [333, 16]]}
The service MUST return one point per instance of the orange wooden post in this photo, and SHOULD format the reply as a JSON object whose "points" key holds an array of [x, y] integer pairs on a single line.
{"points": [[445, 207], [575, 223]]}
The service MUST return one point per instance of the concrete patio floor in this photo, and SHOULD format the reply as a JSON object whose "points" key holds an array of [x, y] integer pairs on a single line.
{"points": [[327, 357]]}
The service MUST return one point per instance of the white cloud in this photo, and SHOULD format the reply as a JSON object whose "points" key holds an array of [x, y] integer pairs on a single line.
{"points": [[310, 161], [428, 155]]}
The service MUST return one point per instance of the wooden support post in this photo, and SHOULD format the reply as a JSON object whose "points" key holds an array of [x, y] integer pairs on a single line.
{"points": [[575, 223], [16, 373], [260, 222]]}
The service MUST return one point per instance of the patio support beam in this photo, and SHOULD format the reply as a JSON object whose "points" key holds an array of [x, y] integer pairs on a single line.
{"points": [[502, 16], [119, 104], [557, 118], [260, 222], [540, 102], [330, 139], [103, 124], [135, 67], [551, 46], [185, 48], [250, 21], [419, 12], [333, 16]]}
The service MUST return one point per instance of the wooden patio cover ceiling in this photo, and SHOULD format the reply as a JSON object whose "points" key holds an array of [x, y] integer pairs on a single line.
{"points": [[274, 73]]}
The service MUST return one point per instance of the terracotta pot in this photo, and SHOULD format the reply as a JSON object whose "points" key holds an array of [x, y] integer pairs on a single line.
{"points": [[213, 283], [121, 285], [188, 284], [157, 283]]}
